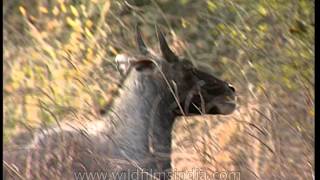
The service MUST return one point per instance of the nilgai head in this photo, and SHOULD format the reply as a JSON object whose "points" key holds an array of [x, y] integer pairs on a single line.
{"points": [[196, 89]]}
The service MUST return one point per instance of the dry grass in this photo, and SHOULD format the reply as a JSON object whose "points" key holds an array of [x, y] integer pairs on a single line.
{"points": [[58, 65]]}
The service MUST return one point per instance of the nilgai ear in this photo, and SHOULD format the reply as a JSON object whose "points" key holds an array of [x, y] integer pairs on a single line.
{"points": [[165, 50], [143, 64], [123, 63], [141, 45]]}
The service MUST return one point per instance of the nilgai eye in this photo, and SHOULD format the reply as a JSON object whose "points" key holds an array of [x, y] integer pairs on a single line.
{"points": [[187, 64]]}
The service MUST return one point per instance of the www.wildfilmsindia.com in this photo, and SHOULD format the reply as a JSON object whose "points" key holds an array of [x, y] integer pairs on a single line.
{"points": [[146, 175]]}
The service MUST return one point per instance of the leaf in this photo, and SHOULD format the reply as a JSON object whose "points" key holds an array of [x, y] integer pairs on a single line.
{"points": [[75, 24], [22, 10], [262, 10], [211, 6], [43, 9], [263, 27], [74, 11], [63, 8], [55, 11], [89, 23], [87, 31]]}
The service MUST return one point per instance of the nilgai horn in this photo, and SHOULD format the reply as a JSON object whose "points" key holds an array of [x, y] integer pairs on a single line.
{"points": [[135, 133]]}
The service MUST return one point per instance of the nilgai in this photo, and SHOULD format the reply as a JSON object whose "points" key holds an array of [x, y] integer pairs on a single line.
{"points": [[135, 133]]}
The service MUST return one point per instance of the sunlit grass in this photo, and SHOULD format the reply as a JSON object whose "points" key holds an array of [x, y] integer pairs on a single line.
{"points": [[58, 56]]}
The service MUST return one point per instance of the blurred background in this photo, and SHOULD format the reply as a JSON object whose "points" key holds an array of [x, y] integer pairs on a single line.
{"points": [[59, 66]]}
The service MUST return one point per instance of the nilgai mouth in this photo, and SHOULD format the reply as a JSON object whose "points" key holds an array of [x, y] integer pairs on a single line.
{"points": [[220, 105], [224, 108]]}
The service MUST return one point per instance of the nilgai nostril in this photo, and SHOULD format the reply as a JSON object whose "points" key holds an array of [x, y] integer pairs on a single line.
{"points": [[135, 132], [232, 88]]}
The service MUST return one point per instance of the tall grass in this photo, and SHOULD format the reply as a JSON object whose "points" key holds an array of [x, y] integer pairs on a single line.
{"points": [[58, 61]]}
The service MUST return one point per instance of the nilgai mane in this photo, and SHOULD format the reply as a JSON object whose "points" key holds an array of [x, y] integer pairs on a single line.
{"points": [[135, 133]]}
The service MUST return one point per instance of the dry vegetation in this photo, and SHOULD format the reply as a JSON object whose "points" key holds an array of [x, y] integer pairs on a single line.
{"points": [[59, 64]]}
